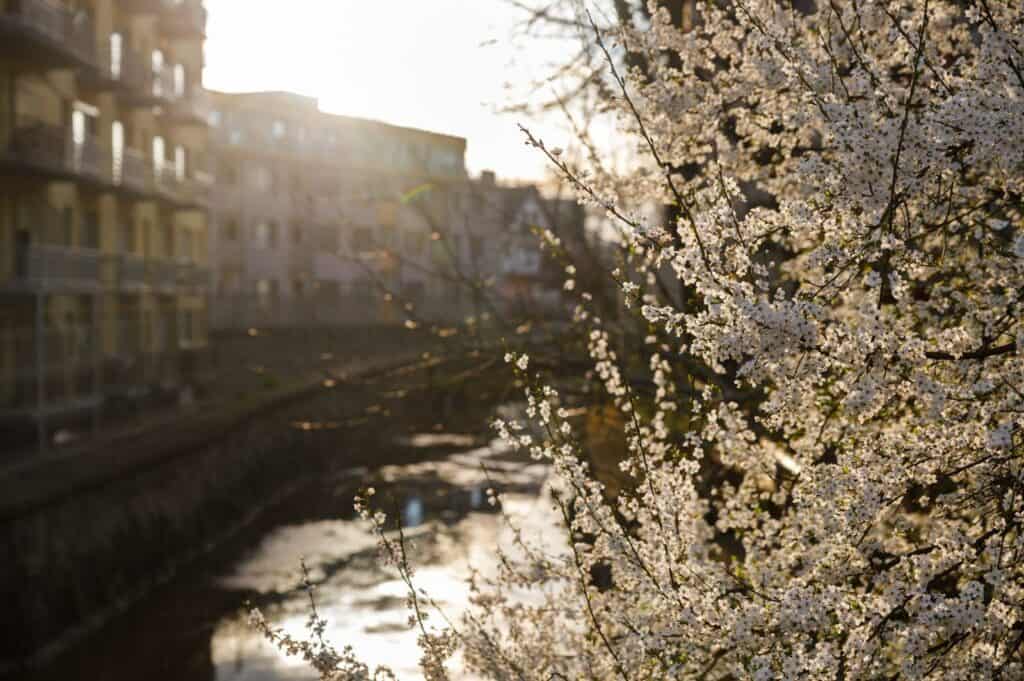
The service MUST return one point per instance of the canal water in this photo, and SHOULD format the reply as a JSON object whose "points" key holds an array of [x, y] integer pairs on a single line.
{"points": [[196, 629]]}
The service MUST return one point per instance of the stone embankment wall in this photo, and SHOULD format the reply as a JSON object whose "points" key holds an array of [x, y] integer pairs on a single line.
{"points": [[85, 535]]}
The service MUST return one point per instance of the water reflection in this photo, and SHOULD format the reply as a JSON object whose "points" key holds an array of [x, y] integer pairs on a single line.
{"points": [[412, 514], [449, 526]]}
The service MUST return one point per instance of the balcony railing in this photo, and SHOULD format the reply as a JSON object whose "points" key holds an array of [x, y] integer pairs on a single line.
{"points": [[193, 276], [48, 32], [126, 70], [46, 267], [51, 148], [194, 191], [125, 272], [162, 275], [45, 148], [165, 180], [131, 170], [194, 107]]}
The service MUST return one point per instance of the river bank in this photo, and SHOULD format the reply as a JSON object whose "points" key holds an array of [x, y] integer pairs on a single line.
{"points": [[81, 559]]}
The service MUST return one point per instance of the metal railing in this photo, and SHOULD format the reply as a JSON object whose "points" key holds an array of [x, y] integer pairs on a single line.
{"points": [[52, 148], [194, 106], [165, 180], [193, 276], [125, 272], [62, 29], [47, 267], [162, 274], [131, 169]]}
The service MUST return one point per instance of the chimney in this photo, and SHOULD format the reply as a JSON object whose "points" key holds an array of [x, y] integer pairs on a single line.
{"points": [[487, 178]]}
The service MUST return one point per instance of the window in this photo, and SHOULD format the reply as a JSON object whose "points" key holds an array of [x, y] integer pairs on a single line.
{"points": [[180, 84], [180, 156], [230, 230], [158, 67], [186, 327], [262, 178], [117, 150], [278, 130], [186, 245], [266, 234], [68, 237], [158, 156], [128, 242], [229, 282], [266, 292], [91, 229], [116, 55]]}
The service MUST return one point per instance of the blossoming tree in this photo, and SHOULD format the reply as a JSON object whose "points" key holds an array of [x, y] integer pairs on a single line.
{"points": [[852, 247]]}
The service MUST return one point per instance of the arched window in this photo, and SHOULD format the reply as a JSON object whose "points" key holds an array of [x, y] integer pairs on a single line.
{"points": [[157, 63], [158, 156], [116, 55], [180, 80], [117, 150]]}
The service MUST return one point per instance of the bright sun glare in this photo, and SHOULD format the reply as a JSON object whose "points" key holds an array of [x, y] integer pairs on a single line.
{"points": [[438, 65]]}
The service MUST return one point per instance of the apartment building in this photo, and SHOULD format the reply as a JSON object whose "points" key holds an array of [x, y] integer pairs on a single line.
{"points": [[325, 219], [104, 188]]}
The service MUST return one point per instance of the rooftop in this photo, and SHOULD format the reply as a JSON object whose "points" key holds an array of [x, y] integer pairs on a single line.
{"points": [[291, 104]]}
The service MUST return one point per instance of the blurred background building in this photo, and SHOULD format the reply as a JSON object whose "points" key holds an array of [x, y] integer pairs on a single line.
{"points": [[105, 181], [142, 216], [316, 215], [319, 219]]}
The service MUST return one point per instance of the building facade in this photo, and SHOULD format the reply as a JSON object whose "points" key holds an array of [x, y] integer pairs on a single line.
{"points": [[324, 219], [103, 203]]}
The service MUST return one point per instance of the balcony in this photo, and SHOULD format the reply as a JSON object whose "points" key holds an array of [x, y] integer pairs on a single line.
{"points": [[36, 146], [162, 275], [116, 67], [125, 272], [50, 151], [131, 171], [194, 191], [166, 183], [145, 86], [184, 18], [193, 277], [45, 33], [49, 268], [194, 108]]}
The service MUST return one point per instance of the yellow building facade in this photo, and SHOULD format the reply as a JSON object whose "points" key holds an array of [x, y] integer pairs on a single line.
{"points": [[104, 187]]}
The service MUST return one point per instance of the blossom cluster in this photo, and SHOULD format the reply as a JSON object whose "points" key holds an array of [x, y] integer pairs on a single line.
{"points": [[839, 490], [828, 447]]}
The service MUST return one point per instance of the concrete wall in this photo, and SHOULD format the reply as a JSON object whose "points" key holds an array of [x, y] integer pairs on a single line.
{"points": [[84, 535]]}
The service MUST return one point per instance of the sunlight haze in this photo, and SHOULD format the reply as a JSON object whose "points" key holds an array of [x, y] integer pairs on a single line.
{"points": [[440, 65]]}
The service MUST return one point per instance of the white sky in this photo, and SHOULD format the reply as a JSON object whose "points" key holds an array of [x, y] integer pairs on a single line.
{"points": [[434, 64]]}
